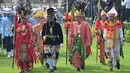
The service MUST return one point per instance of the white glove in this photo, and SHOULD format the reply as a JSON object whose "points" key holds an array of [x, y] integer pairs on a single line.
{"points": [[2, 37], [41, 33], [61, 45], [44, 38]]}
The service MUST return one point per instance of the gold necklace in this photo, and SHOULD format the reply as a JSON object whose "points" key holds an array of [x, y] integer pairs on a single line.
{"points": [[23, 27], [51, 28]]}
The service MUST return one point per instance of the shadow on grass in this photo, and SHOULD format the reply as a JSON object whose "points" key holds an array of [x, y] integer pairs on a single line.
{"points": [[124, 69], [94, 69], [62, 54], [45, 70], [103, 69], [88, 69], [2, 55]]}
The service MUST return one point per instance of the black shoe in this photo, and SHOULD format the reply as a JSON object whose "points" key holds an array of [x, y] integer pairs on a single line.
{"points": [[54, 68], [118, 65], [27, 70], [51, 70], [103, 63], [106, 56], [115, 66], [47, 65], [123, 56], [111, 70], [70, 62], [78, 69], [82, 67]]}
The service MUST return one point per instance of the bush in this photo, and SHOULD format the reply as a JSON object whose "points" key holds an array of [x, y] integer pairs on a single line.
{"points": [[127, 31], [126, 25], [92, 31], [88, 20]]}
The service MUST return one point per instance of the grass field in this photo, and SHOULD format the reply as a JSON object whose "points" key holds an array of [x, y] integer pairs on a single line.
{"points": [[91, 65]]}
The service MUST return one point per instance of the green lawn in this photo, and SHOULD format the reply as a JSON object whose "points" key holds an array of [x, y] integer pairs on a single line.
{"points": [[91, 65]]}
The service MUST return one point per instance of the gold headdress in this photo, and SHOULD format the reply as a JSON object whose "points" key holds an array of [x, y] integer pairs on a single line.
{"points": [[77, 13], [103, 13], [39, 14]]}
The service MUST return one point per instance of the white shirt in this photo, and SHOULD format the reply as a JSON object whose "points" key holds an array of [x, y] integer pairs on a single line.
{"points": [[105, 1], [126, 3]]}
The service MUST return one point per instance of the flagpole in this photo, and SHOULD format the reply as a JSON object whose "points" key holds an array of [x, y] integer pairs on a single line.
{"points": [[98, 9], [66, 36], [67, 5], [98, 18], [14, 41]]}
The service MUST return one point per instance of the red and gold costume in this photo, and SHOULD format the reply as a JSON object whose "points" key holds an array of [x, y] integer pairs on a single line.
{"points": [[25, 55], [111, 31], [113, 36], [85, 32], [99, 39], [98, 30], [39, 41], [83, 50], [38, 38]]}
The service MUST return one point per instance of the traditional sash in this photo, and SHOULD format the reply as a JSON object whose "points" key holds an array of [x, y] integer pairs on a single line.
{"points": [[110, 37]]}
